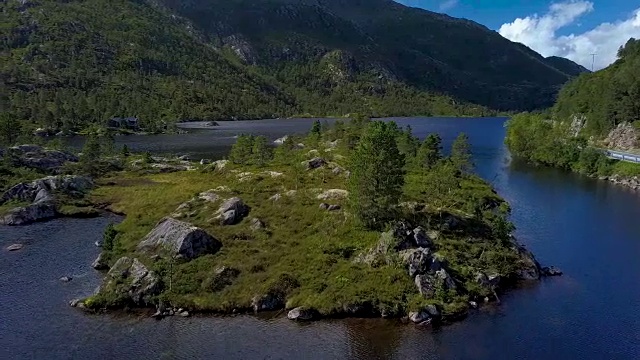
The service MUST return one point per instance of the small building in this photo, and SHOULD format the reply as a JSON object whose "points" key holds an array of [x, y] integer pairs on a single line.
{"points": [[129, 123]]}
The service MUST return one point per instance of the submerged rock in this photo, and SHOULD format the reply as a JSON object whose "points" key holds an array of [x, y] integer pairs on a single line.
{"points": [[179, 238], [551, 271], [419, 317], [302, 314], [15, 247], [66, 278]]}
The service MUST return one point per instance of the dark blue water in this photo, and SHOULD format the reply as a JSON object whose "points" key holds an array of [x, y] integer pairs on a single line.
{"points": [[589, 228]]}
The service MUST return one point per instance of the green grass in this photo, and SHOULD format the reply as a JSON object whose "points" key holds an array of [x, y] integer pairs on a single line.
{"points": [[625, 169], [314, 247]]}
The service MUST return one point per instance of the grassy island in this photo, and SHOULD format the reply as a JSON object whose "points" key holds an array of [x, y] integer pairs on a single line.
{"points": [[307, 238]]}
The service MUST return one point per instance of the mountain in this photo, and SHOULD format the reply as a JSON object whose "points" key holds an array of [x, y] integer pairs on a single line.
{"points": [[64, 64], [566, 66], [380, 39]]}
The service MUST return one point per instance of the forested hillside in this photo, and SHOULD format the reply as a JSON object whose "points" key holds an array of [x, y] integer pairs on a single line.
{"points": [[606, 98], [588, 108], [67, 64], [379, 41]]}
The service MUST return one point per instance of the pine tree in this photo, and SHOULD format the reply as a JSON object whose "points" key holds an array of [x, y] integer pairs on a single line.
{"points": [[461, 153], [261, 151], [430, 152], [377, 175], [407, 143], [91, 153], [241, 151]]}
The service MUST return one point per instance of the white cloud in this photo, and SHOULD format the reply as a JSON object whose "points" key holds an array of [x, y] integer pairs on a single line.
{"points": [[447, 5], [539, 33]]}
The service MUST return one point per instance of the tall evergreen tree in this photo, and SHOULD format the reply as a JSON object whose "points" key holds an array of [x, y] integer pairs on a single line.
{"points": [[241, 151], [461, 153], [261, 151], [10, 129], [377, 175], [430, 152]]}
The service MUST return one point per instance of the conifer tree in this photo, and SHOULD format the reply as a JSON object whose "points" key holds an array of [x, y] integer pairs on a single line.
{"points": [[377, 175]]}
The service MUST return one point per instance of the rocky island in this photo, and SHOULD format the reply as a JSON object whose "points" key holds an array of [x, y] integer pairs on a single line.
{"points": [[357, 220]]}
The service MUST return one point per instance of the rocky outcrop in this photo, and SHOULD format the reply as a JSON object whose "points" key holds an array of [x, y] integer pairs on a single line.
{"points": [[178, 239], [426, 315], [43, 189], [302, 314], [131, 282], [39, 158], [256, 224], [623, 137], [41, 193], [529, 268], [232, 211], [99, 263], [29, 214]]}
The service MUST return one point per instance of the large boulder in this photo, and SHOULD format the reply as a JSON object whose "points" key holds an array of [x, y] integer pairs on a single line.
{"points": [[29, 214], [267, 302], [232, 211], [179, 239], [39, 158], [302, 314], [420, 261], [131, 282]]}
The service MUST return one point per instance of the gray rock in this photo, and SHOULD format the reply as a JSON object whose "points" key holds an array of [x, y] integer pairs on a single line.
{"points": [[334, 208], [256, 224], [432, 310], [15, 247], [184, 313], [529, 266], [302, 314], [232, 211], [419, 317], [179, 239], [99, 263], [494, 280], [426, 285], [276, 197], [66, 278], [421, 239], [75, 302], [419, 261], [315, 163], [268, 302], [333, 194], [131, 281], [447, 280], [482, 280], [473, 304], [184, 158], [30, 214], [324, 206], [551, 271]]}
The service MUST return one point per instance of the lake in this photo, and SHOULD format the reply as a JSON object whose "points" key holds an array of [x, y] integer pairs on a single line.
{"points": [[588, 228]]}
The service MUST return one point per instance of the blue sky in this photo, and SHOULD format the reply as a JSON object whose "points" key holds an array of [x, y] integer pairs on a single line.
{"points": [[569, 28]]}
